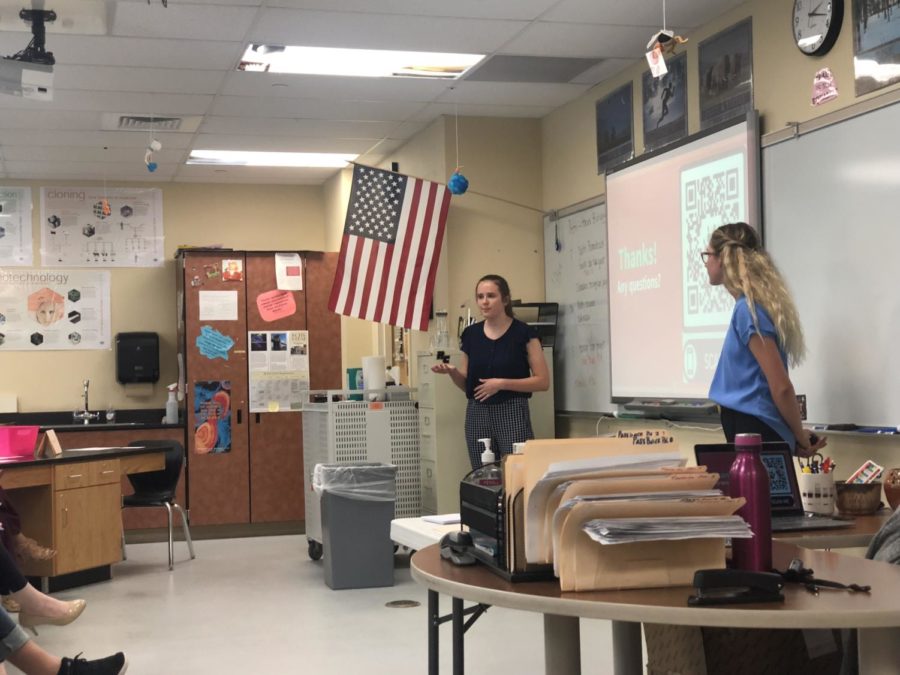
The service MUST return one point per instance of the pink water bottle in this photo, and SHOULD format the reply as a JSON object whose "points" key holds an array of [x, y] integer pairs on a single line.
{"points": [[750, 480]]}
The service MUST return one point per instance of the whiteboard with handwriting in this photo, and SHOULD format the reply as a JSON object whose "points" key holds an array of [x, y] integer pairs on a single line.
{"points": [[575, 271]]}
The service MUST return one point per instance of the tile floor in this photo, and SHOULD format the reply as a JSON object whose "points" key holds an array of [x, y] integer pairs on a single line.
{"points": [[259, 605]]}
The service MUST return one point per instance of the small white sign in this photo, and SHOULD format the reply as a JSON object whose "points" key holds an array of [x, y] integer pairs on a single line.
{"points": [[218, 305]]}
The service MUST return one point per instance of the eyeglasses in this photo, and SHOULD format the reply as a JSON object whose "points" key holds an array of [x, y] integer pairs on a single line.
{"points": [[704, 255]]}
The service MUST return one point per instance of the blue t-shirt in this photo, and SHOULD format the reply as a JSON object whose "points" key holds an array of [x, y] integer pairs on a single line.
{"points": [[739, 382], [507, 357]]}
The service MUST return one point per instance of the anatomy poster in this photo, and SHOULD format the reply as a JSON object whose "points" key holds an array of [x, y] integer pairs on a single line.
{"points": [[100, 227], [43, 309], [15, 227], [279, 370], [212, 417]]}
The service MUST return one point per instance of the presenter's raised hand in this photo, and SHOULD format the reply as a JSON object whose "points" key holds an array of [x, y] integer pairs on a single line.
{"points": [[445, 368]]}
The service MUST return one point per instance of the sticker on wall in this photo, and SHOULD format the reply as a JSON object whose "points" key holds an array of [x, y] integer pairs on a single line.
{"points": [[212, 417], [274, 305], [213, 344], [824, 87], [232, 270]]}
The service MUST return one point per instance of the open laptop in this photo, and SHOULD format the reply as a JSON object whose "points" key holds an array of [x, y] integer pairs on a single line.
{"points": [[787, 509]]}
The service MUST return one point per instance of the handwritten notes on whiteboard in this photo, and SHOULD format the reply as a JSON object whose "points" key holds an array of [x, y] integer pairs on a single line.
{"points": [[575, 267]]}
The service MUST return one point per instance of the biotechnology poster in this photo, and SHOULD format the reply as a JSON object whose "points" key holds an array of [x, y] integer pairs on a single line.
{"points": [[15, 227], [43, 310], [212, 417], [100, 227], [279, 370]]}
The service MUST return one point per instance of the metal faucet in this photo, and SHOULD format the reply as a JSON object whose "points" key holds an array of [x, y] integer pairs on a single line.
{"points": [[85, 414]]}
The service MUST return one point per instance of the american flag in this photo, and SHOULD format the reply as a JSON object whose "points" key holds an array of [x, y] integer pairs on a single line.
{"points": [[391, 247]]}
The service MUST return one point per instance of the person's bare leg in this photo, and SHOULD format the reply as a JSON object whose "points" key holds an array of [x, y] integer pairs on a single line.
{"points": [[33, 660]]}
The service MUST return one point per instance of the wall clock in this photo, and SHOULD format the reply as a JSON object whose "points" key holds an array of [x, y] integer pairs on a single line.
{"points": [[816, 24]]}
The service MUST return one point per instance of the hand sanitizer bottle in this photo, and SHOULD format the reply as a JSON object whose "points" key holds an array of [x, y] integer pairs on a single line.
{"points": [[172, 405], [489, 475]]}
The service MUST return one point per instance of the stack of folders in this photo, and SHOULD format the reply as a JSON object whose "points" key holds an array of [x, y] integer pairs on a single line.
{"points": [[556, 487]]}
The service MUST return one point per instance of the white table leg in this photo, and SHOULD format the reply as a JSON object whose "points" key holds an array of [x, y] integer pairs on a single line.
{"points": [[562, 645], [879, 651], [627, 649]]}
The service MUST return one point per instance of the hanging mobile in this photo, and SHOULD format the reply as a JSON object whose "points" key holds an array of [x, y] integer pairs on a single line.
{"points": [[458, 184]]}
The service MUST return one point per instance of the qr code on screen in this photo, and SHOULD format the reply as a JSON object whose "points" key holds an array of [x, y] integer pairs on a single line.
{"points": [[778, 476], [711, 195]]}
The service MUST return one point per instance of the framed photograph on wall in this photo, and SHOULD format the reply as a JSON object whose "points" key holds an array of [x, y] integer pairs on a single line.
{"points": [[876, 44], [615, 139], [726, 74], [665, 104]]}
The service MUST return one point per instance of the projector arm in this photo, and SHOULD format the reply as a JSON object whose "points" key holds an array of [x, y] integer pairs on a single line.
{"points": [[35, 52]]}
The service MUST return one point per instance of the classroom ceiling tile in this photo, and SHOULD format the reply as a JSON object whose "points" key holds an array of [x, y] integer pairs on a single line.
{"points": [[333, 87], [382, 31], [525, 10], [131, 57], [180, 20]]}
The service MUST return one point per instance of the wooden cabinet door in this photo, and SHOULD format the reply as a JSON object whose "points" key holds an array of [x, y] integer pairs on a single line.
{"points": [[219, 482], [276, 438], [88, 528], [324, 325]]}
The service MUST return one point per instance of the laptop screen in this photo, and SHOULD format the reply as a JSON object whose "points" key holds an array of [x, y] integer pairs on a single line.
{"points": [[779, 462]]}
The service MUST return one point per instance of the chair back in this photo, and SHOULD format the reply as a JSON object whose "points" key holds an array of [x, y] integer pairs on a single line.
{"points": [[161, 483]]}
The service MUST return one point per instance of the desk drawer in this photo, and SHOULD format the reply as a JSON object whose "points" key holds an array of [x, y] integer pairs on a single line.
{"points": [[67, 476], [105, 471], [84, 474]]}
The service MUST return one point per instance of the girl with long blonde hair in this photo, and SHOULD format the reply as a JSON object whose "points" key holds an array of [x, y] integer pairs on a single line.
{"points": [[751, 383]]}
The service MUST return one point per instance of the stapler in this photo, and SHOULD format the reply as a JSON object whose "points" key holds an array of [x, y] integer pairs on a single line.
{"points": [[728, 587], [457, 548]]}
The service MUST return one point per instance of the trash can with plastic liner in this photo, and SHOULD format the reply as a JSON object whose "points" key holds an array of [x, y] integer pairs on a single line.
{"points": [[357, 506]]}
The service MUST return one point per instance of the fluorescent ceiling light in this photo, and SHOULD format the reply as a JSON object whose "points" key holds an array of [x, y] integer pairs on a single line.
{"points": [[355, 62], [247, 158]]}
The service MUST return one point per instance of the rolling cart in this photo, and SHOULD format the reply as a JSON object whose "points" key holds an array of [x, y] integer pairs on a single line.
{"points": [[338, 430]]}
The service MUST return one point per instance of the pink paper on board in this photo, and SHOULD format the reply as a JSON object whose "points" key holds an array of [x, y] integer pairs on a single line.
{"points": [[275, 305]]}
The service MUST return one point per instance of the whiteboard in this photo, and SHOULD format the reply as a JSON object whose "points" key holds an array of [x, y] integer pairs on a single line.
{"points": [[832, 226], [575, 268]]}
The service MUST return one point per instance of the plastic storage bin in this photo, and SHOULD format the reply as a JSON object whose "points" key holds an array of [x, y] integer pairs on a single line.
{"points": [[357, 504], [17, 441]]}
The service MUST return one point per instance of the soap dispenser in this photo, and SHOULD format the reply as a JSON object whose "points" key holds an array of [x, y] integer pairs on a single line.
{"points": [[172, 405], [489, 475]]}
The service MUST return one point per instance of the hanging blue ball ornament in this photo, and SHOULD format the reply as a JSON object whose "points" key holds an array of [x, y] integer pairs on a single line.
{"points": [[458, 183], [151, 166]]}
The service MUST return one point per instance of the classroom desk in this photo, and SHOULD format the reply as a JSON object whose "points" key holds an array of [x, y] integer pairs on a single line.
{"points": [[876, 615], [73, 503]]}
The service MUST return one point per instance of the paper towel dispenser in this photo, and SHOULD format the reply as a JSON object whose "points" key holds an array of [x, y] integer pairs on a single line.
{"points": [[137, 357]]}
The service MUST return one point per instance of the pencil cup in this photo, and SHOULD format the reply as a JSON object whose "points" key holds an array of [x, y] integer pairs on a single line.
{"points": [[817, 492]]}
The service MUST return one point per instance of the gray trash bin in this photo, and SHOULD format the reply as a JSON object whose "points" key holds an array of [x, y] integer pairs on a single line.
{"points": [[357, 503]]}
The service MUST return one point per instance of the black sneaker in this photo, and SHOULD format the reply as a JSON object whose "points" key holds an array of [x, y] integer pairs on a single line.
{"points": [[110, 665]]}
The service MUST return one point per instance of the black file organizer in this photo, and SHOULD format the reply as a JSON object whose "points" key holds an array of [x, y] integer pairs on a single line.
{"points": [[481, 509]]}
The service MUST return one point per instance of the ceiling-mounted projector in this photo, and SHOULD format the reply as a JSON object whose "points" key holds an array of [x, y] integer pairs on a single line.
{"points": [[28, 80], [29, 73]]}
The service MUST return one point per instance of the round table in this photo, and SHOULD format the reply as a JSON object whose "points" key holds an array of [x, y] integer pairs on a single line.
{"points": [[876, 614]]}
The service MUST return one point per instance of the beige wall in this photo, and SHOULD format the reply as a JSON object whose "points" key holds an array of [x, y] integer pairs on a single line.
{"points": [[782, 89], [783, 80], [237, 216]]}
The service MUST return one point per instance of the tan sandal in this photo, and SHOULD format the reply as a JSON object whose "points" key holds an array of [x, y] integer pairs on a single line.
{"points": [[10, 605], [27, 549]]}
